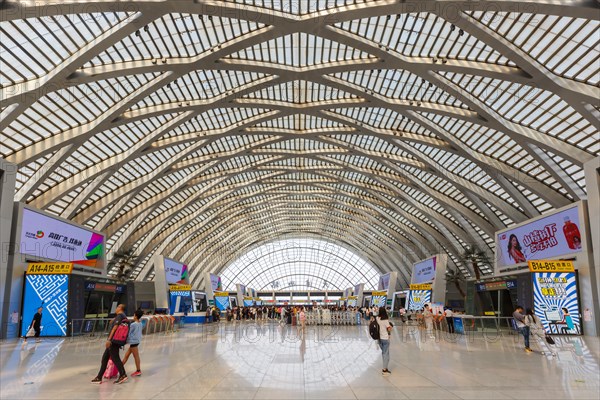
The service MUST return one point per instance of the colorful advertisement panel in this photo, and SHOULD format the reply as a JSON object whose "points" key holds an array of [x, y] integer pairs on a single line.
{"points": [[417, 299], [556, 303], [176, 273], [51, 293], [384, 281], [352, 301], [424, 271], [555, 235], [215, 283], [51, 238], [378, 300]]}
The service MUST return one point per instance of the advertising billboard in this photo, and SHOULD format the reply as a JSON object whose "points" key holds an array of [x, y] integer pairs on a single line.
{"points": [[417, 299], [49, 291], [554, 235], [51, 238], [424, 271], [556, 303], [176, 273], [384, 281], [378, 299], [215, 283]]}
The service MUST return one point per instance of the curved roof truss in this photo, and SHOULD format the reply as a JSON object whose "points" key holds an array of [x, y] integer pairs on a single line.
{"points": [[200, 130]]}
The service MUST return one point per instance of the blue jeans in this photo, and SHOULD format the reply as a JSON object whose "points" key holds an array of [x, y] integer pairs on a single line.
{"points": [[385, 352], [524, 330]]}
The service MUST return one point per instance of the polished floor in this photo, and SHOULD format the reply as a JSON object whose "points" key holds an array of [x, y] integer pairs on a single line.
{"points": [[246, 361]]}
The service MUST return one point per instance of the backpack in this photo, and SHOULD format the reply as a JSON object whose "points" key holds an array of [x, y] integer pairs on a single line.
{"points": [[374, 329], [121, 333]]}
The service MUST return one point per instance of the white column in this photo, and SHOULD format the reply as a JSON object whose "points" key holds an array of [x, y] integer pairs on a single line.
{"points": [[8, 173], [592, 182]]}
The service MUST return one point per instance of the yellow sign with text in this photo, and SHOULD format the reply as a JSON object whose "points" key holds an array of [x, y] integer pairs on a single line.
{"points": [[221, 294], [420, 286], [380, 293], [180, 288], [49, 268], [551, 266]]}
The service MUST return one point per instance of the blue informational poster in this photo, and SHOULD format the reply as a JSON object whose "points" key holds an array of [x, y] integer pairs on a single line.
{"points": [[417, 299], [458, 325], [180, 299], [51, 293], [222, 302], [556, 302]]}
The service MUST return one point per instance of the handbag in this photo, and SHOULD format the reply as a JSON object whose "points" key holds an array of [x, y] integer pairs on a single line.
{"points": [[549, 340], [111, 370], [30, 332]]}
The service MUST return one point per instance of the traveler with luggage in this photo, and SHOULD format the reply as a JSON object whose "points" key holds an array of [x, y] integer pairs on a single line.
{"points": [[117, 337]]}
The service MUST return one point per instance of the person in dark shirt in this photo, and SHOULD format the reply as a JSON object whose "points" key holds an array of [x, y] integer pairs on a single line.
{"points": [[112, 350], [36, 324]]}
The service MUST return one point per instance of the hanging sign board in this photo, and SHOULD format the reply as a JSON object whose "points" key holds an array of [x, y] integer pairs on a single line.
{"points": [[551, 266]]}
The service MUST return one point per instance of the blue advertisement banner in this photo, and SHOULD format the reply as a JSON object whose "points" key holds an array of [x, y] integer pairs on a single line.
{"points": [[51, 293], [179, 301], [222, 302], [556, 302], [418, 298]]}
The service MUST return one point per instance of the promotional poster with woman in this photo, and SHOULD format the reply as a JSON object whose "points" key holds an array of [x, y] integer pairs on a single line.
{"points": [[555, 235]]}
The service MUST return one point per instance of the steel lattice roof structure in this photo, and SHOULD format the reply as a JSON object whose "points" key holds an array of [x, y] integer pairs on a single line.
{"points": [[202, 129]]}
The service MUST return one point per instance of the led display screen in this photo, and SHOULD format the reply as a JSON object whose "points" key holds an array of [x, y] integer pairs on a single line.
{"points": [[384, 281], [424, 271], [551, 236], [215, 283], [50, 238], [176, 273]]}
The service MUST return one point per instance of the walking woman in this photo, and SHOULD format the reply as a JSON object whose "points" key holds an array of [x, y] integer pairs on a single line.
{"points": [[385, 327], [536, 330]]}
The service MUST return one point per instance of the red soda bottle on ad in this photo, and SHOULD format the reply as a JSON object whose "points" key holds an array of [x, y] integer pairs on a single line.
{"points": [[572, 234]]}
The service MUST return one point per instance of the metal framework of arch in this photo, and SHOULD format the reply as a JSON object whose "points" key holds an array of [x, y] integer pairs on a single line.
{"points": [[203, 129], [299, 264]]}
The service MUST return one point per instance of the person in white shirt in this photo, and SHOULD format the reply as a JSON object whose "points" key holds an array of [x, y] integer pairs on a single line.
{"points": [[385, 327], [449, 319], [428, 317], [536, 329]]}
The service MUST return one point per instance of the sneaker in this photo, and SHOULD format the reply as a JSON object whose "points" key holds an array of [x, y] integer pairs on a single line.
{"points": [[528, 350], [97, 380], [386, 372], [137, 373], [122, 379]]}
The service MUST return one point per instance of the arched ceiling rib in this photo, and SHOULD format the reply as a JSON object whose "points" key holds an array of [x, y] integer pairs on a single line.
{"points": [[396, 129]]}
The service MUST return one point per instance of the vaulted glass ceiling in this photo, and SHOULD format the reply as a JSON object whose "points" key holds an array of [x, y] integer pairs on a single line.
{"points": [[299, 265], [200, 130]]}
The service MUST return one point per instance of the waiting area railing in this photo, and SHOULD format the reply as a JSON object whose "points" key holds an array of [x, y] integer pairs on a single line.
{"points": [[99, 326], [467, 324]]}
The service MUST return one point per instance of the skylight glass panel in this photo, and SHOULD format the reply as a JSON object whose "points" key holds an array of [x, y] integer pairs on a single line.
{"points": [[176, 36], [300, 50], [423, 35]]}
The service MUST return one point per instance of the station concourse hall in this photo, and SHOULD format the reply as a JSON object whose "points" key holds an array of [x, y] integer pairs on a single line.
{"points": [[300, 199]]}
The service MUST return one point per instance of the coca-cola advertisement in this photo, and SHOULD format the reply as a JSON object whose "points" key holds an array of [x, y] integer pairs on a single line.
{"points": [[554, 235]]}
